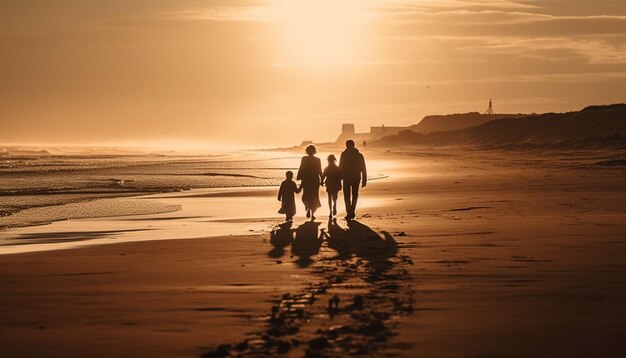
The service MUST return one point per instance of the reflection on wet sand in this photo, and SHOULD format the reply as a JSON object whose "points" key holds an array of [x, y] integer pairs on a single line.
{"points": [[356, 239], [281, 237], [363, 288], [307, 243]]}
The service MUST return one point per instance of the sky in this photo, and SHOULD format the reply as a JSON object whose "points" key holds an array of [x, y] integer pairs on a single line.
{"points": [[276, 72]]}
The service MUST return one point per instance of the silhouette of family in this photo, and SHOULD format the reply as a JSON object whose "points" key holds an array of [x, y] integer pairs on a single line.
{"points": [[349, 176]]}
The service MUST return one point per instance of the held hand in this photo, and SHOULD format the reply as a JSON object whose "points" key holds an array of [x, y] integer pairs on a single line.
{"points": [[364, 184]]}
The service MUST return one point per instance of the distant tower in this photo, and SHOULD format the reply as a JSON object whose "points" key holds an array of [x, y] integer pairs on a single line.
{"points": [[490, 109], [347, 130]]}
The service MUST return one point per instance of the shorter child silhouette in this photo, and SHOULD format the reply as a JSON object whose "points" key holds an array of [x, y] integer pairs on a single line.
{"points": [[287, 196], [331, 177]]}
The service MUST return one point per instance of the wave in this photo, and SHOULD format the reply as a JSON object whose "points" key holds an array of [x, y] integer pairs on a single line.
{"points": [[232, 175], [85, 210]]}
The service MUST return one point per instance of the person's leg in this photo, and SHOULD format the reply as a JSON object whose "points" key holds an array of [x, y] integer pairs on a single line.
{"points": [[330, 204], [355, 197], [348, 193], [334, 203], [346, 197]]}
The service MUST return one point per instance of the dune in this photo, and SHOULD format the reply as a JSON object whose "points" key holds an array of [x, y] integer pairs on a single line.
{"points": [[599, 126], [451, 122]]}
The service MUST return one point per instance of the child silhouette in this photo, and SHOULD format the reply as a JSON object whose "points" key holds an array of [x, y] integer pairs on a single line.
{"points": [[331, 177], [287, 196]]}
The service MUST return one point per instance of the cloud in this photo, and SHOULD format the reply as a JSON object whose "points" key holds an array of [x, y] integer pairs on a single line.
{"points": [[496, 22], [223, 13], [495, 17], [455, 4], [256, 12], [594, 50], [566, 78], [485, 29]]}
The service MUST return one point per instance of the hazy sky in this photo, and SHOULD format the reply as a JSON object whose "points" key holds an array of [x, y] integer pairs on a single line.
{"points": [[277, 72]]}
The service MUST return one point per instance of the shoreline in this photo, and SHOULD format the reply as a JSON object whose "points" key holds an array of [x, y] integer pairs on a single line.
{"points": [[109, 229], [167, 206], [200, 210]]}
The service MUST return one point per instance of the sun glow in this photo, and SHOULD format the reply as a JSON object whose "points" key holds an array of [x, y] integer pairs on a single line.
{"points": [[321, 32]]}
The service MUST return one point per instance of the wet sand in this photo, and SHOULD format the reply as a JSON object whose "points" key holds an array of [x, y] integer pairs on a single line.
{"points": [[162, 298], [477, 254]]}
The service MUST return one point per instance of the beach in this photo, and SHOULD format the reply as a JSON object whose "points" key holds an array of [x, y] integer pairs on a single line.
{"points": [[453, 253]]}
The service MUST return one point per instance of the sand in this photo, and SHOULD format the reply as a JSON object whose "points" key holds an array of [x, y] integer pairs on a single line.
{"points": [[137, 299], [457, 253]]}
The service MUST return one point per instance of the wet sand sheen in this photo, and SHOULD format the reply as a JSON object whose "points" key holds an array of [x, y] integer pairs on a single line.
{"points": [[203, 213], [134, 299]]}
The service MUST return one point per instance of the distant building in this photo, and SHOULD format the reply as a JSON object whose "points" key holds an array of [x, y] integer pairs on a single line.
{"points": [[376, 132], [347, 129], [382, 131]]}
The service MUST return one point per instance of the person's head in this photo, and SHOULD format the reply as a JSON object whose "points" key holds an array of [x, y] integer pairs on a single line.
{"points": [[331, 159], [289, 175], [349, 143], [310, 150]]}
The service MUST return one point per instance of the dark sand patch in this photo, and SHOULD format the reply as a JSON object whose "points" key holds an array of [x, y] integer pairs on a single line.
{"points": [[163, 218], [612, 163], [66, 236], [471, 208]]}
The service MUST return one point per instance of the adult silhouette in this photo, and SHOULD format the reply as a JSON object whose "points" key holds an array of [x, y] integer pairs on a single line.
{"points": [[353, 175], [310, 175]]}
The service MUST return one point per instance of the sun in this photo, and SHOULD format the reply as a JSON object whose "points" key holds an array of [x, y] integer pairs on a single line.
{"points": [[321, 32]]}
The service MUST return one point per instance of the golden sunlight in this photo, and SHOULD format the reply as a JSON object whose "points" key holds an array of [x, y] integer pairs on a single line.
{"points": [[321, 32], [312, 178]]}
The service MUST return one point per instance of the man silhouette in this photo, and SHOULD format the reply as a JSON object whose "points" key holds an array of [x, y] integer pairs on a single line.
{"points": [[353, 174]]}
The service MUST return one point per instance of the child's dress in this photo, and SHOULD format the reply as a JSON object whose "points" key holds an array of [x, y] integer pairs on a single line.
{"points": [[333, 179], [287, 197]]}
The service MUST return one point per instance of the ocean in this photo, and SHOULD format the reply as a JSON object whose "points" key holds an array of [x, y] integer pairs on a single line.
{"points": [[39, 189]]}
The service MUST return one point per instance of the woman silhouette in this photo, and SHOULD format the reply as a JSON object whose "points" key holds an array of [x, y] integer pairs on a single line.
{"points": [[310, 173]]}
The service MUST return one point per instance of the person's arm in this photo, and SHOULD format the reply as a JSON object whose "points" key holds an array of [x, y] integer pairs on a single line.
{"points": [[280, 192], [300, 170], [324, 175], [341, 163], [319, 171], [363, 172]]}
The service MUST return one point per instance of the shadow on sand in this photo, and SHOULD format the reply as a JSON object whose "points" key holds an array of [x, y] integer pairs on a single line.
{"points": [[280, 238], [351, 308], [361, 241], [357, 239], [307, 243]]}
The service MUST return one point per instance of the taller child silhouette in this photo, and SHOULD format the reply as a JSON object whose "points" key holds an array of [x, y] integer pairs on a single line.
{"points": [[353, 174]]}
